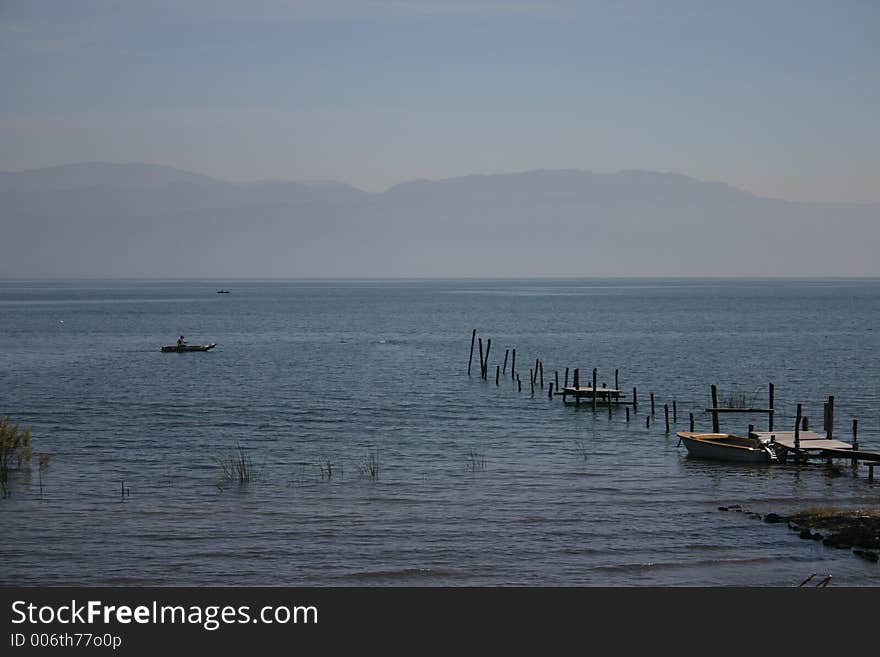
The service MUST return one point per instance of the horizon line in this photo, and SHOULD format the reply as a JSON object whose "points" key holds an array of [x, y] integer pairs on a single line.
{"points": [[546, 277]]}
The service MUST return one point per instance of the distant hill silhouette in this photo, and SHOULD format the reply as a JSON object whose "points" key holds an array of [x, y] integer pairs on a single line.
{"points": [[142, 220], [98, 174]]}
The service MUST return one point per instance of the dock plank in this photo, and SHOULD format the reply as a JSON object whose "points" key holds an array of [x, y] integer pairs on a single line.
{"points": [[589, 390], [808, 440]]}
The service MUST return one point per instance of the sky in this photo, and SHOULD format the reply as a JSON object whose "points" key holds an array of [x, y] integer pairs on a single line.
{"points": [[779, 97]]}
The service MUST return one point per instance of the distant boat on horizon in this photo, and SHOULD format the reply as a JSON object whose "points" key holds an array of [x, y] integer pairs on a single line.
{"points": [[222, 291]]}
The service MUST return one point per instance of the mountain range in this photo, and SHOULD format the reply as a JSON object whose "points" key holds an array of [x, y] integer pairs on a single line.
{"points": [[143, 220]]}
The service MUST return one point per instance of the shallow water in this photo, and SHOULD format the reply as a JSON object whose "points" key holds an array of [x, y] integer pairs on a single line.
{"points": [[478, 484]]}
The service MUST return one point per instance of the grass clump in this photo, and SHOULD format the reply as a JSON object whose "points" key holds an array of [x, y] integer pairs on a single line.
{"points": [[16, 454], [735, 400], [476, 462], [238, 468], [328, 468], [369, 466]]}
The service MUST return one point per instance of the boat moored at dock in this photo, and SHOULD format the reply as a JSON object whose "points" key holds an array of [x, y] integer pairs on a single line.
{"points": [[727, 447]]}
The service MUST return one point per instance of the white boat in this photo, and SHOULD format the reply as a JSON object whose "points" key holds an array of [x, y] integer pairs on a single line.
{"points": [[727, 447]]}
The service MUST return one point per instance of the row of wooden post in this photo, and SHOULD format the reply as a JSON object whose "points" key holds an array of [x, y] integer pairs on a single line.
{"points": [[536, 377]]}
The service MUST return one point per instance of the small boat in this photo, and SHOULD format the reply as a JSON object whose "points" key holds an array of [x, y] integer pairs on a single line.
{"points": [[222, 291], [727, 447], [188, 347]]}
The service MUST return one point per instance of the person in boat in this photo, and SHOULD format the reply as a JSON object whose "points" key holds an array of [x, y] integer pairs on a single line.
{"points": [[181, 343]]}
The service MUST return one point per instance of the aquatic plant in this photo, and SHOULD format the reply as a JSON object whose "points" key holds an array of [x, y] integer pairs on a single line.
{"points": [[735, 400], [476, 461], [15, 451], [739, 399], [238, 467], [369, 467], [327, 468], [42, 466]]}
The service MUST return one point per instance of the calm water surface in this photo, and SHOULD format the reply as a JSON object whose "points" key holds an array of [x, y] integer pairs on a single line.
{"points": [[478, 484]]}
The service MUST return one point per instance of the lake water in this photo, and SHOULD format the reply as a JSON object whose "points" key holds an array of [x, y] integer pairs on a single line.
{"points": [[477, 484]]}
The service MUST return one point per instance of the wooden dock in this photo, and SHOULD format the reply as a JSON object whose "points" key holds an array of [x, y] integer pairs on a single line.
{"points": [[818, 444], [809, 440], [606, 395], [800, 444]]}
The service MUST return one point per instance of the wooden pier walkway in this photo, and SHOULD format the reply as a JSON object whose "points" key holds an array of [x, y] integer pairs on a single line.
{"points": [[588, 392], [818, 444], [809, 440]]}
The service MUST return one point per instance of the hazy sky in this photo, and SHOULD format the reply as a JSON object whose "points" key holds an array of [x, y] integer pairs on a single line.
{"points": [[780, 98]]}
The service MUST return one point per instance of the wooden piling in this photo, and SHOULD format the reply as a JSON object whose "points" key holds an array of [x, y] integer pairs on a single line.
{"points": [[550, 393], [513, 365], [692, 422], [674, 412], [830, 428], [533, 382], [486, 365], [797, 429], [751, 430], [595, 375], [770, 406], [647, 421], [715, 428], [617, 379], [805, 423], [652, 403], [577, 384], [542, 374], [497, 373], [627, 413], [666, 413], [635, 400], [855, 434], [608, 395], [518, 383], [556, 378], [504, 369], [471, 358], [481, 358]]}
